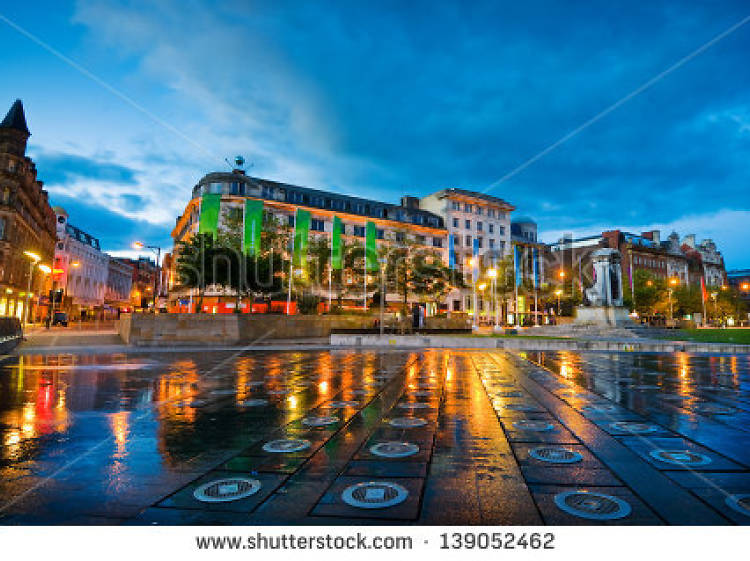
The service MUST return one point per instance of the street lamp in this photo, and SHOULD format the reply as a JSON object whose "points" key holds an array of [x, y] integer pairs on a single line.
{"points": [[157, 277], [35, 258], [558, 293], [672, 283], [492, 274]]}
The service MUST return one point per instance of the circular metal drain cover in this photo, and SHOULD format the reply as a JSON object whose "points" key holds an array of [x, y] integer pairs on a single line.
{"points": [[394, 449], [254, 403], [713, 408], [555, 455], [320, 421], [520, 407], [535, 426], [680, 457], [414, 405], [340, 404], [740, 503], [509, 394], [374, 494], [633, 427], [407, 422], [226, 490], [286, 445], [602, 408], [593, 506]]}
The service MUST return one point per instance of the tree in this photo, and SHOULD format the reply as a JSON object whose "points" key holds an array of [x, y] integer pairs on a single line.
{"points": [[193, 267]]}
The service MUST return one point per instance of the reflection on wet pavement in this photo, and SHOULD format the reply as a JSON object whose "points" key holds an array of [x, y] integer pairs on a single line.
{"points": [[322, 437]]}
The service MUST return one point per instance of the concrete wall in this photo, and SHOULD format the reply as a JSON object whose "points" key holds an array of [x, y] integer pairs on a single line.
{"points": [[228, 329]]}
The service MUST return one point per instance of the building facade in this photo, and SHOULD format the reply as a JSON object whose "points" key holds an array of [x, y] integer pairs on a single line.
{"points": [[27, 222], [144, 278], [394, 223], [472, 218], [81, 267], [119, 285]]}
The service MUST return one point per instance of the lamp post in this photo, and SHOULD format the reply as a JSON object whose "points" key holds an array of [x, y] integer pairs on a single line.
{"points": [[157, 276], [492, 274], [35, 258], [481, 288], [672, 283], [558, 293]]}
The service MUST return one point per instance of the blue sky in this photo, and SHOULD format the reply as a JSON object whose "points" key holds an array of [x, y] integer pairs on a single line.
{"points": [[390, 98]]}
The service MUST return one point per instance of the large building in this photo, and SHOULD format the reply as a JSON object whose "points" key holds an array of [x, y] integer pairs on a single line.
{"points": [[569, 259], [27, 222], [81, 268], [393, 222], [472, 218], [119, 285], [144, 279]]}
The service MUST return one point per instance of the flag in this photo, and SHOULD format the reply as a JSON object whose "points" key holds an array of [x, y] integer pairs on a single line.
{"points": [[475, 260], [209, 215], [253, 225], [337, 251], [451, 252], [517, 265], [371, 247], [301, 238], [535, 264], [703, 289]]}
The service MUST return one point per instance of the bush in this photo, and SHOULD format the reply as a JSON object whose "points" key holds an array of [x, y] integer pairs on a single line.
{"points": [[307, 304]]}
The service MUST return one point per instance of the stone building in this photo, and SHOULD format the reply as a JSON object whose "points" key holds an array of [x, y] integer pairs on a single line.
{"points": [[119, 284], [27, 222], [81, 267]]}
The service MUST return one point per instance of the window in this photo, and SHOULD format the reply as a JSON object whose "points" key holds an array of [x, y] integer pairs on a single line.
{"points": [[317, 225], [380, 234], [502, 230], [437, 242], [455, 222], [479, 242], [456, 241], [467, 224], [400, 237], [502, 245], [290, 220], [359, 231], [419, 239], [479, 226], [457, 305], [467, 207], [492, 243], [2, 228], [468, 241], [479, 210], [491, 228], [455, 205], [491, 212]]}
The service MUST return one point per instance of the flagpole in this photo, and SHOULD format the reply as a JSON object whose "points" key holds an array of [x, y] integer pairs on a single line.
{"points": [[291, 275], [365, 300], [330, 276]]}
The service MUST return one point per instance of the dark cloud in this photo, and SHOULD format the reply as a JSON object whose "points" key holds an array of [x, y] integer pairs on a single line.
{"points": [[60, 168]]}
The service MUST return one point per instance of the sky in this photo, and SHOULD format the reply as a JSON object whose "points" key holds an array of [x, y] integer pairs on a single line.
{"points": [[131, 102]]}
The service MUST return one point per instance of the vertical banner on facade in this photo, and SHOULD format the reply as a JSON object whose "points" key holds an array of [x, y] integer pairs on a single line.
{"points": [[337, 251], [253, 225], [451, 252], [371, 247], [301, 238], [209, 215], [475, 260], [535, 264], [517, 265]]}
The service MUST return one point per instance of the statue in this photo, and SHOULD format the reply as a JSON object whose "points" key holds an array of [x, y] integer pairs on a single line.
{"points": [[603, 301]]}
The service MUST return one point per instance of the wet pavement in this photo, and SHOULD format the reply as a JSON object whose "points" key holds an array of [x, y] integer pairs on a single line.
{"points": [[397, 437]]}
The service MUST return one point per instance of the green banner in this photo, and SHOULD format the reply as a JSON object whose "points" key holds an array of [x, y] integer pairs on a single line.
{"points": [[371, 247], [253, 227], [301, 238], [337, 250], [209, 217]]}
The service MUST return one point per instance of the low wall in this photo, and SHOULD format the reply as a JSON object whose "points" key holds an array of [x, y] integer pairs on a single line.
{"points": [[228, 329], [532, 344]]}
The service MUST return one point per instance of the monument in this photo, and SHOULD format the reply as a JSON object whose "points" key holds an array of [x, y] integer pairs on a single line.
{"points": [[603, 301]]}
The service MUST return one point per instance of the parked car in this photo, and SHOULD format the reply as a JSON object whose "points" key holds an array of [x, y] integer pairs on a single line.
{"points": [[60, 318]]}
